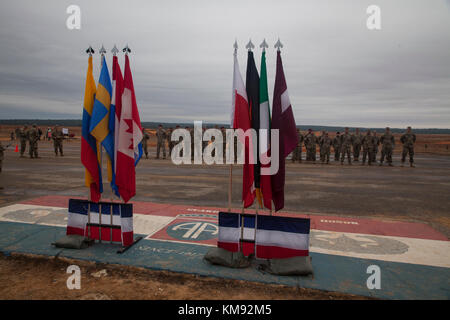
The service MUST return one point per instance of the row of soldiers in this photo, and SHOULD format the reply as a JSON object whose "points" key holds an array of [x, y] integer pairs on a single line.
{"points": [[30, 136], [163, 135], [346, 144]]}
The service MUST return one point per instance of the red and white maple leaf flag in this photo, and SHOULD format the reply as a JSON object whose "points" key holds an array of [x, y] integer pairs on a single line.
{"points": [[130, 135], [240, 119]]}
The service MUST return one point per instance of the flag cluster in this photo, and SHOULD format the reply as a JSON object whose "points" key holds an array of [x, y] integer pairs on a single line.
{"points": [[111, 121], [251, 109]]}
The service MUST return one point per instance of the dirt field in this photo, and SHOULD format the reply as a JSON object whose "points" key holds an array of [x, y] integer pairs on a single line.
{"points": [[48, 278], [390, 193]]}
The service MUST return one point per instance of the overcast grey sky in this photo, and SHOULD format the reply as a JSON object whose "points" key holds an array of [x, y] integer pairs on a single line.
{"points": [[338, 72]]}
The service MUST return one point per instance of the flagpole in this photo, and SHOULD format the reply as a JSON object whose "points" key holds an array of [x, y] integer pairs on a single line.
{"points": [[256, 222], [90, 51], [126, 50], [230, 186], [114, 51], [278, 45], [263, 46], [230, 180]]}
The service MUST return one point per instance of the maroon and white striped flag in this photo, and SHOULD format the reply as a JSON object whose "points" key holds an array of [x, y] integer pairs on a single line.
{"points": [[283, 120]]}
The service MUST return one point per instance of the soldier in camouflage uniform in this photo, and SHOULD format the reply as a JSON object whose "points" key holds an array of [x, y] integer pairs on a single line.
{"points": [[325, 148], [310, 145], [388, 143], [169, 140], [161, 141], [33, 137], [408, 139], [337, 146], [319, 140], [367, 145], [356, 141], [58, 138], [346, 145], [376, 143], [297, 153], [23, 137], [145, 138]]}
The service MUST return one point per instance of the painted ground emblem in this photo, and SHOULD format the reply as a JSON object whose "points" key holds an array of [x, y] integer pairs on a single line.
{"points": [[193, 230]]}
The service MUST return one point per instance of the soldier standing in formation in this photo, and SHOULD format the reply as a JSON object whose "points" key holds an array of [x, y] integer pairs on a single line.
{"points": [[388, 142], [310, 145], [145, 138], [58, 138], [325, 148], [23, 137], [376, 143], [346, 143], [356, 140], [319, 140], [161, 141], [337, 146], [408, 139], [33, 137], [169, 140], [367, 145], [297, 154]]}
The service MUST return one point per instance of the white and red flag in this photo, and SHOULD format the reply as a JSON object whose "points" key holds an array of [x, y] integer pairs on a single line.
{"points": [[129, 139], [116, 110], [240, 119]]}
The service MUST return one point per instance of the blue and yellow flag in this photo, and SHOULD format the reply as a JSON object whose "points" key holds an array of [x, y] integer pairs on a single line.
{"points": [[89, 152], [100, 121]]}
